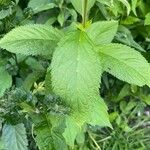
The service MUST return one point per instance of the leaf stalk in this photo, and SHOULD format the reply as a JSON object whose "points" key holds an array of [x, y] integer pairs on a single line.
{"points": [[84, 16]]}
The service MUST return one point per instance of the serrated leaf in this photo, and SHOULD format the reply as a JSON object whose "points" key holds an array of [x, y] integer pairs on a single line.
{"points": [[14, 137], [71, 131], [125, 63], [78, 5], [31, 40], [48, 130], [99, 31], [42, 130], [78, 64], [5, 80]]}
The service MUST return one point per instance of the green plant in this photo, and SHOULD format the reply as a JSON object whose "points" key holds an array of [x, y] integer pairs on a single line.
{"points": [[80, 55]]}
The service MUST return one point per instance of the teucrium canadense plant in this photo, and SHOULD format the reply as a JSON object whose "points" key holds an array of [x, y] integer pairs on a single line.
{"points": [[79, 57]]}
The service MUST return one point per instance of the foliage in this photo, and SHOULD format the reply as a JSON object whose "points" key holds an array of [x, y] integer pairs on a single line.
{"points": [[59, 86]]}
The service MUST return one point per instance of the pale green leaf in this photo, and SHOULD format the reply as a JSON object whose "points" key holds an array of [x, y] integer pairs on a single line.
{"points": [[78, 5], [31, 40], [14, 137], [71, 131], [75, 76], [99, 31], [147, 19], [125, 63], [30, 79], [5, 80]]}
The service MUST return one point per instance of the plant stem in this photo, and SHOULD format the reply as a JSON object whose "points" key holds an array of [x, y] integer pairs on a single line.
{"points": [[84, 16], [98, 147]]}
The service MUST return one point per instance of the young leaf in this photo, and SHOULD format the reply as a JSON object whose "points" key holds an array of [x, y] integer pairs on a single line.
{"points": [[125, 63], [106, 2], [31, 40], [78, 64], [14, 137], [102, 32], [5, 80]]}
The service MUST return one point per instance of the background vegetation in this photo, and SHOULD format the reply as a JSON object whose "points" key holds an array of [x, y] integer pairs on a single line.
{"points": [[24, 88]]}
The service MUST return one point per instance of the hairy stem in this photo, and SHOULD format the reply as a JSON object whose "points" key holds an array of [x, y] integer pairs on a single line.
{"points": [[84, 15]]}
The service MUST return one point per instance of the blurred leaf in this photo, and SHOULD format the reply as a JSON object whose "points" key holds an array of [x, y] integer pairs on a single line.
{"points": [[147, 19], [124, 92], [124, 36], [126, 3], [106, 2], [41, 5], [5, 80], [78, 5], [133, 6], [15, 137]]}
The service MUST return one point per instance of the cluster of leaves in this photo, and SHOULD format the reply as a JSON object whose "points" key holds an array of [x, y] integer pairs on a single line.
{"points": [[50, 85]]}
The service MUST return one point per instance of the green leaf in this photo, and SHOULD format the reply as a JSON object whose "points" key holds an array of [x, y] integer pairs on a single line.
{"points": [[78, 5], [48, 130], [1, 144], [99, 31], [106, 2], [147, 19], [14, 137], [125, 63], [71, 131], [30, 79], [133, 6], [48, 83], [126, 3], [124, 36], [130, 20], [31, 40], [42, 131], [5, 12], [5, 80], [80, 69], [41, 5]]}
